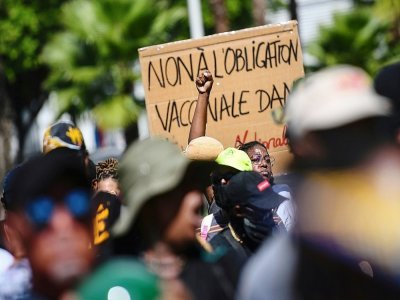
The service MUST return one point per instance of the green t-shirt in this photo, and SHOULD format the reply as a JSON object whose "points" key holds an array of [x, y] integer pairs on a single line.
{"points": [[120, 279]]}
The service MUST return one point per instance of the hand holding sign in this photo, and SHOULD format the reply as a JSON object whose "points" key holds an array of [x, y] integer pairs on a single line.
{"points": [[204, 82]]}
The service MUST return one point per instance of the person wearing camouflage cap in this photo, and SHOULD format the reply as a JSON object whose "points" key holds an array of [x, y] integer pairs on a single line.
{"points": [[63, 134], [162, 193]]}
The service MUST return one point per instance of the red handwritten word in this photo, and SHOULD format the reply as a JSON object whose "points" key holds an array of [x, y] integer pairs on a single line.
{"points": [[273, 142]]}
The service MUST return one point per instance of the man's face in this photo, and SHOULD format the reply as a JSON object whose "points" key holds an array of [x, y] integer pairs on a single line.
{"points": [[108, 185], [188, 219], [58, 237], [261, 161]]}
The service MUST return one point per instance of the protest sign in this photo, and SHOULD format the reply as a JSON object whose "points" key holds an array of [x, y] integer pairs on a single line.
{"points": [[253, 73]]}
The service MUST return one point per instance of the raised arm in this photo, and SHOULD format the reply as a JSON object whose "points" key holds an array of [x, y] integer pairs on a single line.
{"points": [[204, 85]]}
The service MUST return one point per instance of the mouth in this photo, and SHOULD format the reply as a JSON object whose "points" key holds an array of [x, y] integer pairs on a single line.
{"points": [[266, 174]]}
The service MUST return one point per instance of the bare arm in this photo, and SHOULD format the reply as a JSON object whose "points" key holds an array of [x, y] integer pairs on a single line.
{"points": [[204, 85]]}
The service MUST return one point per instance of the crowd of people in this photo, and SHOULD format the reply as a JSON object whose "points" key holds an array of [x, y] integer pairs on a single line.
{"points": [[214, 222]]}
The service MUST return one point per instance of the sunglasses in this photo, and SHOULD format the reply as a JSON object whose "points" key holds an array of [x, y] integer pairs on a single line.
{"points": [[40, 210]]}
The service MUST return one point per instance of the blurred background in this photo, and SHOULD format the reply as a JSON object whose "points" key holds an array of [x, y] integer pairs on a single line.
{"points": [[78, 59]]}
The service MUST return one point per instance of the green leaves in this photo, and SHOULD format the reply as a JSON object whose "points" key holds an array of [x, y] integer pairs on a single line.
{"points": [[19, 30], [121, 106], [355, 37], [92, 59], [24, 29]]}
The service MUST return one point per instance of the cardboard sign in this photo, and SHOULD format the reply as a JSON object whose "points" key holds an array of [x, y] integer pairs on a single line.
{"points": [[253, 73]]}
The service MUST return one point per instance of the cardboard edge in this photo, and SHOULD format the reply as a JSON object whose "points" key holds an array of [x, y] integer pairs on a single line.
{"points": [[218, 38]]}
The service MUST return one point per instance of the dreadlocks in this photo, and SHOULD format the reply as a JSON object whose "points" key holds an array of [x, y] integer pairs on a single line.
{"points": [[107, 169]]}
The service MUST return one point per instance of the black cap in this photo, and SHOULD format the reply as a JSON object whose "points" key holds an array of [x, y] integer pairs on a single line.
{"points": [[251, 188], [40, 174]]}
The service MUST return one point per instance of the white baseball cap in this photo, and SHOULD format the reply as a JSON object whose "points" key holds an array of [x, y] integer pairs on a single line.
{"points": [[331, 98]]}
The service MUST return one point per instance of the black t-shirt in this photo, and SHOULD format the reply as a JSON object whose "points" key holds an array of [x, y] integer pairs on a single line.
{"points": [[212, 276], [225, 240]]}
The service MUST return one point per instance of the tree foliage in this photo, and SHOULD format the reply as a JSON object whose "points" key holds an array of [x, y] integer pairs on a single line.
{"points": [[25, 27], [356, 38], [239, 14], [92, 59], [90, 48]]}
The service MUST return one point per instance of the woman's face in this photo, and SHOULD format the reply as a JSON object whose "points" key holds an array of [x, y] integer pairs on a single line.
{"points": [[182, 229], [261, 161]]}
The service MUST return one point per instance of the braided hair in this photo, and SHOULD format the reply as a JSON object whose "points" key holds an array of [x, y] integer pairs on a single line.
{"points": [[107, 169]]}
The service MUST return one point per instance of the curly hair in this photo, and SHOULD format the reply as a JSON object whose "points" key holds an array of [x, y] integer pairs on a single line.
{"points": [[107, 169], [247, 146]]}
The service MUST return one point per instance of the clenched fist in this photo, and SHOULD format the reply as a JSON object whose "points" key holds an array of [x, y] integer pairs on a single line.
{"points": [[204, 82]]}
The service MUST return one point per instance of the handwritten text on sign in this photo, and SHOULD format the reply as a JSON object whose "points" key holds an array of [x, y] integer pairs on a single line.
{"points": [[172, 70], [253, 72]]}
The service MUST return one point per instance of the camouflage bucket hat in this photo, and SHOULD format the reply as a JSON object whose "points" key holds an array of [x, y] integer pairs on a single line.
{"points": [[152, 167]]}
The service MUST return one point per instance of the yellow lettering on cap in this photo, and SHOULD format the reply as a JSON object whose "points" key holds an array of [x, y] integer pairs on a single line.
{"points": [[100, 231]]}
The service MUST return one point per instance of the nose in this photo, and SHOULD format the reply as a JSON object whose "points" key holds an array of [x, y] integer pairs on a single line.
{"points": [[265, 164], [61, 220]]}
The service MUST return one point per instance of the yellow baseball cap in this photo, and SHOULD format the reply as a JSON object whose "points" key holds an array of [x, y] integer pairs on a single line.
{"points": [[234, 158]]}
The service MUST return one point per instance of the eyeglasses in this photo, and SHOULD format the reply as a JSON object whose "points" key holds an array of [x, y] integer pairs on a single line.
{"points": [[258, 159], [41, 209]]}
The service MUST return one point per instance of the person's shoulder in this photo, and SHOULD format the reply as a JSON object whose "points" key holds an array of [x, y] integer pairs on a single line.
{"points": [[223, 241], [276, 249], [281, 187], [220, 238], [287, 182], [6, 260], [271, 270], [226, 241], [119, 278], [16, 281]]}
